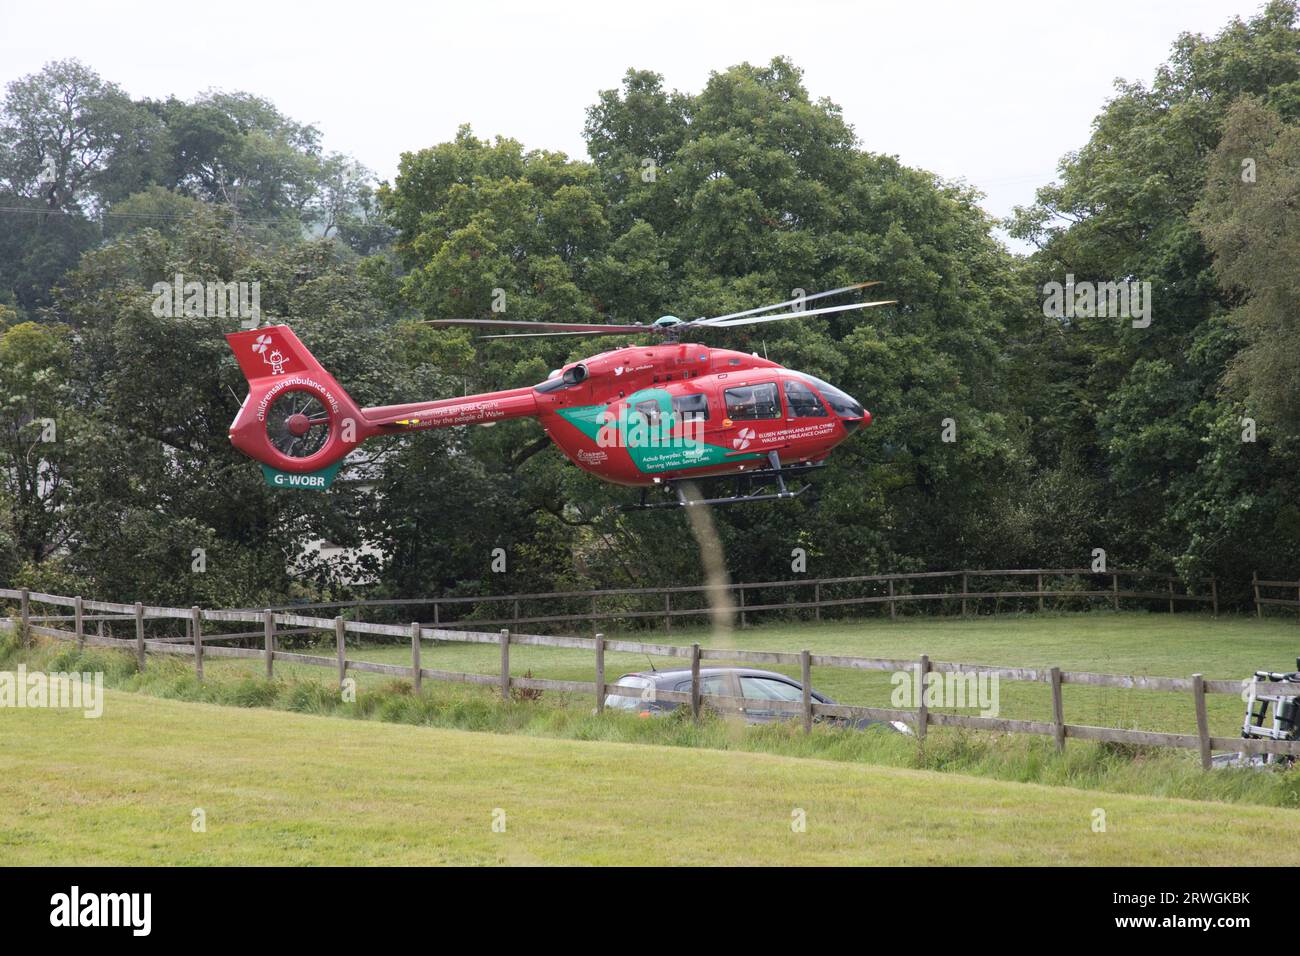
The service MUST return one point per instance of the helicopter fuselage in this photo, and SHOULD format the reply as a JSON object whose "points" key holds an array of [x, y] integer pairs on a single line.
{"points": [[639, 415], [646, 414]]}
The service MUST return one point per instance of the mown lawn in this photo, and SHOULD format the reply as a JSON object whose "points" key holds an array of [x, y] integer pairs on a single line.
{"points": [[288, 788]]}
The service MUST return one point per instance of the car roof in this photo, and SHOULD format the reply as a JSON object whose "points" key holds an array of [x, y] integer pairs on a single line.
{"points": [[684, 673]]}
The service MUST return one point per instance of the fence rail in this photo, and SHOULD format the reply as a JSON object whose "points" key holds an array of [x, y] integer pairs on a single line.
{"points": [[920, 718], [1262, 601], [895, 591]]}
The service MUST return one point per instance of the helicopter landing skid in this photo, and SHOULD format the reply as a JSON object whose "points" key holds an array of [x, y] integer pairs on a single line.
{"points": [[750, 486]]}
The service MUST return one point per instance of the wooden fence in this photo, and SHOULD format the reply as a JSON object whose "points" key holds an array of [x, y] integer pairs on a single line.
{"points": [[201, 646], [815, 595], [1261, 601]]}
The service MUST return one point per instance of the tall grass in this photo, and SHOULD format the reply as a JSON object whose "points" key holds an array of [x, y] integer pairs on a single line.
{"points": [[1019, 758]]}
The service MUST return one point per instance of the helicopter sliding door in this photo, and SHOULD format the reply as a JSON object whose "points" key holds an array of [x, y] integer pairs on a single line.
{"points": [[749, 410]]}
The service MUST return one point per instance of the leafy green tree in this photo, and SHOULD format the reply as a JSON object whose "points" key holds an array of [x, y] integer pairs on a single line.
{"points": [[36, 434], [1141, 408], [1247, 216], [72, 140], [237, 150]]}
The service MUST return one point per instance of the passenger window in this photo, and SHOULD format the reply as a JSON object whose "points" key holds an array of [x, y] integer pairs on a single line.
{"points": [[764, 688], [749, 402], [692, 408], [650, 412], [709, 686], [803, 401]]}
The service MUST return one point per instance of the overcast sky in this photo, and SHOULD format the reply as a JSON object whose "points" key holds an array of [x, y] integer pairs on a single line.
{"points": [[994, 92]]}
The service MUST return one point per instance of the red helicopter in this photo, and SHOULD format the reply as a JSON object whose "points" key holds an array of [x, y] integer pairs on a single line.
{"points": [[641, 415]]}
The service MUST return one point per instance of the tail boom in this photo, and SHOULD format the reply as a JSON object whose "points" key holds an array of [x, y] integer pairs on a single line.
{"points": [[298, 418]]}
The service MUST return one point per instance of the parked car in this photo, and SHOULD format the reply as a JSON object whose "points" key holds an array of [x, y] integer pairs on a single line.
{"points": [[753, 685]]}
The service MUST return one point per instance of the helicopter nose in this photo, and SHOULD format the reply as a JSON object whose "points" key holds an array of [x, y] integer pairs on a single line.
{"points": [[852, 422]]}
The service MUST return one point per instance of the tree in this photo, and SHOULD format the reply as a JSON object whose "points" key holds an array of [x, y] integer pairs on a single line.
{"points": [[1141, 409], [36, 434], [72, 140], [237, 150], [1247, 216]]}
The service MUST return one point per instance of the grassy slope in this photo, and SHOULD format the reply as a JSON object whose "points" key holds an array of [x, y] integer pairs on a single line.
{"points": [[288, 788]]}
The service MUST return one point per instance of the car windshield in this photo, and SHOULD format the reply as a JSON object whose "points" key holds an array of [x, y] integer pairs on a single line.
{"points": [[628, 703]]}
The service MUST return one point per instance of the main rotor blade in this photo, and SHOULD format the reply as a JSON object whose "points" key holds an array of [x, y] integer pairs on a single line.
{"points": [[604, 330], [798, 315], [782, 305], [534, 326]]}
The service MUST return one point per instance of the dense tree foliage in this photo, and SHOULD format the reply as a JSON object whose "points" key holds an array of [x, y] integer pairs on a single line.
{"points": [[1144, 410], [1169, 444]]}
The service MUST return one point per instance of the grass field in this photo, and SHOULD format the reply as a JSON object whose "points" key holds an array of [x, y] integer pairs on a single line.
{"points": [[295, 789], [1103, 642], [1138, 643]]}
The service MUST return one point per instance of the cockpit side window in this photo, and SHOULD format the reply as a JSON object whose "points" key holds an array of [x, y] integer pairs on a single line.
{"points": [[803, 401]]}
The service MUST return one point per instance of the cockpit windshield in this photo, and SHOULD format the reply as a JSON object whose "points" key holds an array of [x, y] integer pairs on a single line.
{"points": [[841, 404]]}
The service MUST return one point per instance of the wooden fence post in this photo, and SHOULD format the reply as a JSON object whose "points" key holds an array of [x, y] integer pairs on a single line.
{"points": [[516, 612], [197, 626], [740, 589], [80, 625], [139, 635], [25, 611], [805, 672], [817, 601], [1214, 594], [1114, 590], [1254, 580], [893, 612], [415, 655], [668, 611], [436, 619], [268, 633], [505, 664], [1058, 710], [695, 681], [1040, 592], [965, 589], [1171, 595], [922, 712], [340, 645], [1202, 721], [600, 673]]}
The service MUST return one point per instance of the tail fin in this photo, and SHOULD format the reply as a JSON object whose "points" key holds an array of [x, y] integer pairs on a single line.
{"points": [[271, 352], [296, 417]]}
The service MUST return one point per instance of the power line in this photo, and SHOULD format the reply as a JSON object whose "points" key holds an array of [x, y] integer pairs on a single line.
{"points": [[136, 215]]}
